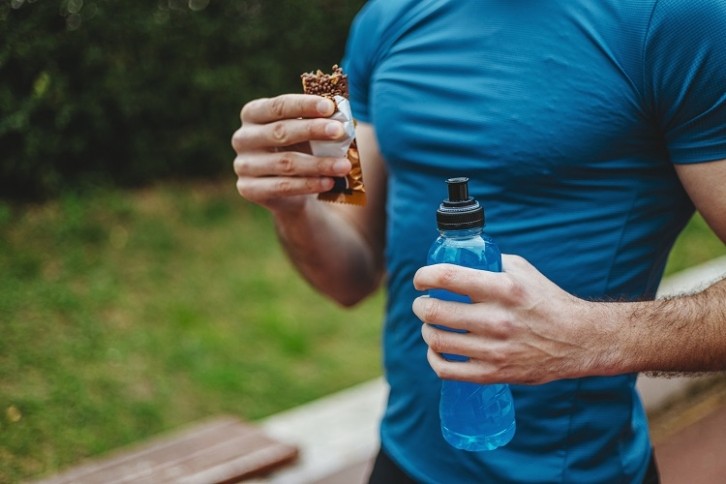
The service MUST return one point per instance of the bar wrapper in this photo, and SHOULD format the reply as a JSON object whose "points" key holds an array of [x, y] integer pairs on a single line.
{"points": [[350, 188]]}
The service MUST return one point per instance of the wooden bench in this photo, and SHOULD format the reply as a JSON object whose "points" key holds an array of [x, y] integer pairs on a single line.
{"points": [[696, 453], [689, 435], [222, 450]]}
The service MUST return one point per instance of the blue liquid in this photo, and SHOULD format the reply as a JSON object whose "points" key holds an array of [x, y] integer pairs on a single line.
{"points": [[473, 417], [476, 417]]}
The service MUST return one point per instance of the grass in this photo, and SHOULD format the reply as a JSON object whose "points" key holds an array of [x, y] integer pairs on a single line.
{"points": [[126, 314]]}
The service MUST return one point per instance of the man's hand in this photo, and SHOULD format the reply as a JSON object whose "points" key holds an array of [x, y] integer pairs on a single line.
{"points": [[521, 327], [274, 166], [337, 247]]}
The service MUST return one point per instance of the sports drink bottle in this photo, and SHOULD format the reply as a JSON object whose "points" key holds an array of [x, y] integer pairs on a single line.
{"points": [[474, 417]]}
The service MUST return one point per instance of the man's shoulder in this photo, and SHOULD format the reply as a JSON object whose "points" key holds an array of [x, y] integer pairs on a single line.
{"points": [[690, 7], [381, 14], [689, 17], [389, 8]]}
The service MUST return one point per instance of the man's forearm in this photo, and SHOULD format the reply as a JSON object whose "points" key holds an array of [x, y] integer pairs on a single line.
{"points": [[329, 253], [679, 334]]}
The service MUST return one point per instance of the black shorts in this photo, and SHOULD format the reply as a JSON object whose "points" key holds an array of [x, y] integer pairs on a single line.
{"points": [[385, 471]]}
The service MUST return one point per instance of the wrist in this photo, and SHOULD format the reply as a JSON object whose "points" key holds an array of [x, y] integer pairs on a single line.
{"points": [[289, 209], [613, 347]]}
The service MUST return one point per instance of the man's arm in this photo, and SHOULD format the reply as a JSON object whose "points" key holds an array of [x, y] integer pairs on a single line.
{"points": [[337, 248], [522, 328], [706, 185], [688, 333]]}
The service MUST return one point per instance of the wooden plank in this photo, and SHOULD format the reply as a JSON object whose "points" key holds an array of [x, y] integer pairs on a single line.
{"points": [[223, 450], [696, 453]]}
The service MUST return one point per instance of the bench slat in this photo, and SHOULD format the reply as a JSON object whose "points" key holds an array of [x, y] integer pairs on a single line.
{"points": [[222, 450]]}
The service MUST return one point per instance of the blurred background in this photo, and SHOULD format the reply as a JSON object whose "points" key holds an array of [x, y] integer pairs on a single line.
{"points": [[138, 291], [128, 92]]}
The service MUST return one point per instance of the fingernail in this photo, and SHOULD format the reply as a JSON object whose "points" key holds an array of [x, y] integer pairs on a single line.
{"points": [[333, 129], [342, 166], [325, 107], [327, 184]]}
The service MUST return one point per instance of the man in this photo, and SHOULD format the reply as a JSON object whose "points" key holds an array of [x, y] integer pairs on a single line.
{"points": [[589, 130]]}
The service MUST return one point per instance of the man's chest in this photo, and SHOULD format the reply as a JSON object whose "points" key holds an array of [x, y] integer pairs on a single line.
{"points": [[550, 104]]}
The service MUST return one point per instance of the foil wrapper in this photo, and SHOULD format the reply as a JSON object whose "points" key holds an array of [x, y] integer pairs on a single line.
{"points": [[350, 188]]}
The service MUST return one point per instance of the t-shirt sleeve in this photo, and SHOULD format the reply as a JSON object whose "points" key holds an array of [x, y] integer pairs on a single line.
{"points": [[359, 59], [685, 66]]}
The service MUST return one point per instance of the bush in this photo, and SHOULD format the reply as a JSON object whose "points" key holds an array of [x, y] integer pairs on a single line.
{"points": [[129, 92]]}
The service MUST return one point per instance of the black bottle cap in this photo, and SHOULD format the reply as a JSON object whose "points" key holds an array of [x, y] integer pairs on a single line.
{"points": [[459, 211]]}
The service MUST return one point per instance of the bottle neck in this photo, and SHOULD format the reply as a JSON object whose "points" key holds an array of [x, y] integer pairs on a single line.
{"points": [[461, 233]]}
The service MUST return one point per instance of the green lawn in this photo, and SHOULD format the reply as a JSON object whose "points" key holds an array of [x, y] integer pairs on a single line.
{"points": [[126, 314]]}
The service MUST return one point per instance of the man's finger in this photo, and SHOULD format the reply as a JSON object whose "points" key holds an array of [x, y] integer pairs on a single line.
{"points": [[286, 106], [289, 163], [280, 134], [479, 285], [262, 190], [491, 322]]}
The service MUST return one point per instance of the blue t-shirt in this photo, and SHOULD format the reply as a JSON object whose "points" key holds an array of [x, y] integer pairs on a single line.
{"points": [[567, 116]]}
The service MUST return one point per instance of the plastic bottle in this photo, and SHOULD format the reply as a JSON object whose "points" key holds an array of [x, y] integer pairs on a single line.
{"points": [[473, 417]]}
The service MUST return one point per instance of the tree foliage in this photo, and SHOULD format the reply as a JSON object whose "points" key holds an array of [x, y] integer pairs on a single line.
{"points": [[131, 91]]}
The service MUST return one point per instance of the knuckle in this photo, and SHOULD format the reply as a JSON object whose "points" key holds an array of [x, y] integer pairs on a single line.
{"points": [[246, 113], [315, 130], [279, 133], [447, 275], [433, 339], [444, 372], [496, 326], [277, 106], [238, 140], [286, 166], [242, 188], [513, 288], [500, 326], [497, 357], [284, 187], [431, 311], [314, 184], [241, 166], [505, 327], [244, 140]]}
